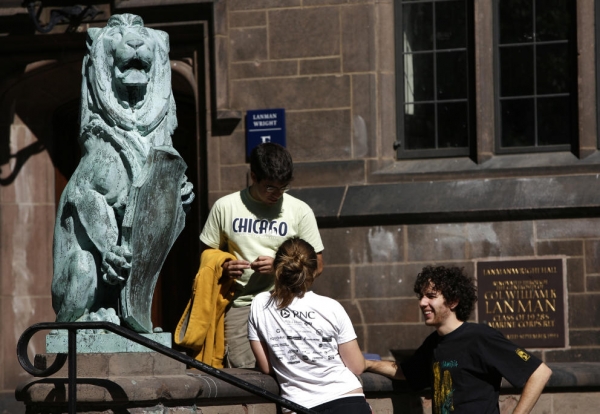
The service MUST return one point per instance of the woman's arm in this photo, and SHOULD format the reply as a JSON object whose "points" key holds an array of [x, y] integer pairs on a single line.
{"points": [[352, 357], [261, 353]]}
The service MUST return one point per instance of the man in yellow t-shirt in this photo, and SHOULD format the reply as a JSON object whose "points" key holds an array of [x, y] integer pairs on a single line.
{"points": [[252, 224]]}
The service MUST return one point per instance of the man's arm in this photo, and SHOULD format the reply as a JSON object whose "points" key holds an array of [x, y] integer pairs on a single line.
{"points": [[319, 264], [533, 389], [232, 269], [387, 368]]}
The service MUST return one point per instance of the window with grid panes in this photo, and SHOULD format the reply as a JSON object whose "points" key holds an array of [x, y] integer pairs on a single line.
{"points": [[434, 78], [536, 106]]}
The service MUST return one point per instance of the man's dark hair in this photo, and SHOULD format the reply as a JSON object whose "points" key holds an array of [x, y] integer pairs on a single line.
{"points": [[453, 284], [272, 162]]}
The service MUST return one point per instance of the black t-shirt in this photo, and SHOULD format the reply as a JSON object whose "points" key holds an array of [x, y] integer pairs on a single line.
{"points": [[465, 368]]}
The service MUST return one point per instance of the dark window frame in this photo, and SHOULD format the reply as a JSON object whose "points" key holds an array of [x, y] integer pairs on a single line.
{"points": [[471, 149], [572, 145]]}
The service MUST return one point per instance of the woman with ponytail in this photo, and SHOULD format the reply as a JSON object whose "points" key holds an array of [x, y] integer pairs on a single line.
{"points": [[306, 340]]}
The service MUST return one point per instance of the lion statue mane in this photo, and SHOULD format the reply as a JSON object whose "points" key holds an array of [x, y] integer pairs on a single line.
{"points": [[127, 108]]}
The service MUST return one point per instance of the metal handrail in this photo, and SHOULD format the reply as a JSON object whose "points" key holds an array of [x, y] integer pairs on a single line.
{"points": [[73, 327]]}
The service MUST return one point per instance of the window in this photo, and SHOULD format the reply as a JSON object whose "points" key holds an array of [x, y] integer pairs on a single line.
{"points": [[536, 107], [434, 78]]}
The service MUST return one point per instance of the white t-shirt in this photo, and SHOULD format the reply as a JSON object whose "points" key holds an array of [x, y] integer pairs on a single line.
{"points": [[248, 228], [303, 344]]}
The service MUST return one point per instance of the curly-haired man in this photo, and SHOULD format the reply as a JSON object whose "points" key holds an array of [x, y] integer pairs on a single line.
{"points": [[464, 362]]}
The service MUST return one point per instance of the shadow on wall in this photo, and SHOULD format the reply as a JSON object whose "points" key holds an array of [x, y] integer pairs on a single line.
{"points": [[46, 100], [21, 158]]}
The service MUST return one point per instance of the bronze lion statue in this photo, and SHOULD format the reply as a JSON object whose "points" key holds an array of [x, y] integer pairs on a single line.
{"points": [[127, 112]]}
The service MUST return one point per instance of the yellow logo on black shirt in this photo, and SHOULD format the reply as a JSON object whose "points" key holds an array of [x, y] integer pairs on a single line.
{"points": [[524, 355]]}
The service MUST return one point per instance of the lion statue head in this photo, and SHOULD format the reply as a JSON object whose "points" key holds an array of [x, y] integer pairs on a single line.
{"points": [[127, 77]]}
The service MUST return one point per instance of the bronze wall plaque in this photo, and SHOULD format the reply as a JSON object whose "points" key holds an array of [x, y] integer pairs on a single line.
{"points": [[524, 299]]}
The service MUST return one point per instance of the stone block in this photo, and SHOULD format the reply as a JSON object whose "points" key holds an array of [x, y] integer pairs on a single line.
{"points": [[323, 2], [569, 403], [221, 72], [329, 173], [364, 244], [26, 257], [584, 337], [18, 314], [352, 309], [234, 178], [232, 149], [247, 19], [387, 280], [508, 403], [248, 44], [387, 113], [320, 66], [567, 228], [592, 256], [318, 92], [102, 343], [312, 130], [88, 365], [381, 405], [309, 32], [324, 201], [386, 337], [592, 283], [560, 247], [358, 38], [543, 405], [116, 364], [575, 275], [9, 405], [499, 239], [258, 69], [584, 310], [376, 311], [360, 331], [364, 116], [435, 242], [335, 281], [385, 30], [261, 4], [34, 181], [138, 365], [215, 195]]}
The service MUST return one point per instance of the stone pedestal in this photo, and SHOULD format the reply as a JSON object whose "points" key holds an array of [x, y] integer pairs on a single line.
{"points": [[121, 364], [89, 343]]}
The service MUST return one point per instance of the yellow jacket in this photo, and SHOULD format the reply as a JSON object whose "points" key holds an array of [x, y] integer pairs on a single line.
{"points": [[202, 325]]}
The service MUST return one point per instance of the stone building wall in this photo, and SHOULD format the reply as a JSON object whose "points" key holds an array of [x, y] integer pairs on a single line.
{"points": [[330, 64], [27, 223]]}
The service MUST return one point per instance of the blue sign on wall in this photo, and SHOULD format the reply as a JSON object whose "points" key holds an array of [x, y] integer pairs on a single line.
{"points": [[264, 125]]}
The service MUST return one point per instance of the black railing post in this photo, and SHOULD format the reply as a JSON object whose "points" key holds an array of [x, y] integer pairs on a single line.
{"points": [[72, 371]]}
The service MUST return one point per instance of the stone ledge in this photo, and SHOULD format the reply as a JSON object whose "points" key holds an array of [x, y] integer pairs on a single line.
{"points": [[202, 389], [194, 388], [454, 200]]}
